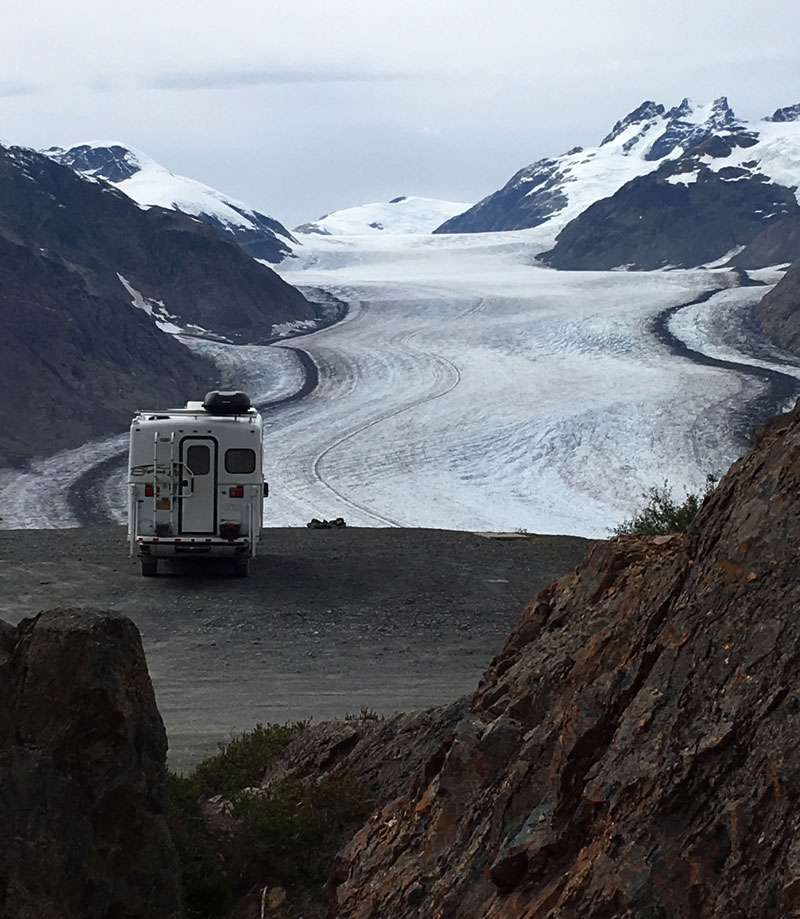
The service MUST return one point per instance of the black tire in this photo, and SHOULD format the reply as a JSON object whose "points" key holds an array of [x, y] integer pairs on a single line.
{"points": [[149, 567], [241, 566]]}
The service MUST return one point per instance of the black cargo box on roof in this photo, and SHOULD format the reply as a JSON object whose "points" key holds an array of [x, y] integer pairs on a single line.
{"points": [[226, 403]]}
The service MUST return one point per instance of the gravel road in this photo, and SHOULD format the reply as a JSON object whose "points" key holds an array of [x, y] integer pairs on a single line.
{"points": [[330, 621]]}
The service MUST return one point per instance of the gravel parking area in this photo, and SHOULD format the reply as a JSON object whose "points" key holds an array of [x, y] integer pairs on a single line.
{"points": [[330, 621]]}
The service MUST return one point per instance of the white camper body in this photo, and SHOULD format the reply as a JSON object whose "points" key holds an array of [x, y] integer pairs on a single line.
{"points": [[195, 482]]}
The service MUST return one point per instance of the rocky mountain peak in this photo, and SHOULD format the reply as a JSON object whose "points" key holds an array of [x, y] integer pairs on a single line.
{"points": [[788, 113], [112, 161], [645, 113], [150, 184], [681, 111], [653, 156], [722, 115], [687, 125]]}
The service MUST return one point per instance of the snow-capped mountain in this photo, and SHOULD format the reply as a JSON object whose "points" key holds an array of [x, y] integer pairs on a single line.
{"points": [[650, 140], [150, 184], [404, 214], [733, 189]]}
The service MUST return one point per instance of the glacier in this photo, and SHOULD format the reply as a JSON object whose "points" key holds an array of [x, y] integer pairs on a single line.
{"points": [[470, 388]]}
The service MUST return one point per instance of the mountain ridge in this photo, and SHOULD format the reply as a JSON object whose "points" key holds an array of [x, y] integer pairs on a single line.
{"points": [[625, 176], [150, 184]]}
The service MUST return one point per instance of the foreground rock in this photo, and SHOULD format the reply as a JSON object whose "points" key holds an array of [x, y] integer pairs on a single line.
{"points": [[633, 750], [381, 754], [82, 776]]}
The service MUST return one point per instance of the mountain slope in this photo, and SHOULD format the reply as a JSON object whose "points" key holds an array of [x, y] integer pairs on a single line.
{"points": [[777, 244], [151, 185], [166, 255], [779, 311], [76, 259], [76, 361], [678, 187], [405, 214]]}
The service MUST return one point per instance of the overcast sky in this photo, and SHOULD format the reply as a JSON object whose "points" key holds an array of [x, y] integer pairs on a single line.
{"points": [[304, 108]]}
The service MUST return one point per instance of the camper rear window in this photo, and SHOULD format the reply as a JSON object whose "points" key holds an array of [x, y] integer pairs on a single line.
{"points": [[240, 461], [198, 459]]}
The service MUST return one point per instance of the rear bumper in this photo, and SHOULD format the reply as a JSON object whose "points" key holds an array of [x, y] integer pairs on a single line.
{"points": [[167, 547]]}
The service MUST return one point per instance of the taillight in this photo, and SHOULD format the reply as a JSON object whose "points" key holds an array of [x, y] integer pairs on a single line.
{"points": [[236, 491], [149, 491]]}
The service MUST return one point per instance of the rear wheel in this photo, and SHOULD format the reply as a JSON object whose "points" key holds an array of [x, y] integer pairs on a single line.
{"points": [[149, 567], [241, 566]]}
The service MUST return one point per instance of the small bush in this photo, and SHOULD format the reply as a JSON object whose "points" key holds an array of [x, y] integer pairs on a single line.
{"points": [[208, 890], [366, 714], [293, 829], [285, 835], [662, 515], [242, 760]]}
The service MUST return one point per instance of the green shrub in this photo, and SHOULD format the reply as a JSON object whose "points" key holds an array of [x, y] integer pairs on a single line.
{"points": [[285, 835], [293, 829], [661, 514], [242, 760], [208, 889]]}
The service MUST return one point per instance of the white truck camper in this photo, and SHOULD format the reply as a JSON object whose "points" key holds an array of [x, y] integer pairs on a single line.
{"points": [[195, 482]]}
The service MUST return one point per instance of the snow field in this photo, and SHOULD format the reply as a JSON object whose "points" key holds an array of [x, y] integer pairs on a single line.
{"points": [[407, 214]]}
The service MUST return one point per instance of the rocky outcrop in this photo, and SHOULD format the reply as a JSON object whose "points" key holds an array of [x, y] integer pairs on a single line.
{"points": [[778, 312], [632, 751], [82, 773], [381, 754]]}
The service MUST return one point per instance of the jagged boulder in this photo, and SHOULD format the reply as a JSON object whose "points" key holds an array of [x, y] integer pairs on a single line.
{"points": [[633, 750], [82, 773]]}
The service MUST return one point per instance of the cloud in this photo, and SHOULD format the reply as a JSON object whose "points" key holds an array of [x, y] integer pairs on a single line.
{"points": [[9, 88], [274, 76]]}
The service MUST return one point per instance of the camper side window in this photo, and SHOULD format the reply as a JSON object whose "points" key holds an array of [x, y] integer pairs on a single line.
{"points": [[240, 461]]}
